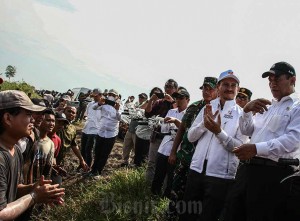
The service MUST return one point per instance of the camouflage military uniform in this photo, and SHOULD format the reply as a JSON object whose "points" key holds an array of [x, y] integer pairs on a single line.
{"points": [[68, 140], [184, 156]]}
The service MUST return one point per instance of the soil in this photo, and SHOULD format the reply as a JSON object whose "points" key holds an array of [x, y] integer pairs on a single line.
{"points": [[72, 162]]}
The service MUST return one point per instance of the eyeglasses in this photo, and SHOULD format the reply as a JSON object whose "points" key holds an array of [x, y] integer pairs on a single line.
{"points": [[242, 98]]}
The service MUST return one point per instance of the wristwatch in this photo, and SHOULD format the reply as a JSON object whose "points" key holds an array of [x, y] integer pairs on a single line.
{"points": [[33, 196]]}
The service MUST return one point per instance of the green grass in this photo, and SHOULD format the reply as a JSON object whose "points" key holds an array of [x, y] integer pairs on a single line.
{"points": [[125, 195]]}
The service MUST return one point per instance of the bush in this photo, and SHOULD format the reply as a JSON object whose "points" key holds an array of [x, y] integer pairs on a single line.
{"points": [[22, 86]]}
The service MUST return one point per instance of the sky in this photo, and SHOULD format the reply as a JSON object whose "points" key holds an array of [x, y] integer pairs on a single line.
{"points": [[135, 45]]}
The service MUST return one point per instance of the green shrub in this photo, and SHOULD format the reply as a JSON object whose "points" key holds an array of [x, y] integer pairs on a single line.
{"points": [[22, 86]]}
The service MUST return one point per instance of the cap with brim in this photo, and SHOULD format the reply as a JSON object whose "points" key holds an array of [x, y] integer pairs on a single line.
{"points": [[38, 101], [66, 98], [96, 91], [181, 93], [210, 81], [143, 95], [280, 68], [113, 91], [15, 98], [246, 92], [61, 117], [228, 74]]}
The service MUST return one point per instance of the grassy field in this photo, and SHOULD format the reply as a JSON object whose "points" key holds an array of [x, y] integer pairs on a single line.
{"points": [[120, 194], [124, 195]]}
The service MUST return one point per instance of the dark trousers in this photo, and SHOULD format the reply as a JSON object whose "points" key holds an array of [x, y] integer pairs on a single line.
{"points": [[162, 169], [141, 150], [257, 194], [102, 150], [204, 197], [80, 112], [87, 144]]}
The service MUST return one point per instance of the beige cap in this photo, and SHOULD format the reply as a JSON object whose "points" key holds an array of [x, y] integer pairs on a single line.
{"points": [[14, 98]]}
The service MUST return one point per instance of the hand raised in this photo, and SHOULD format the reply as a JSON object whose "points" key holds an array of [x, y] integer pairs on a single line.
{"points": [[258, 105]]}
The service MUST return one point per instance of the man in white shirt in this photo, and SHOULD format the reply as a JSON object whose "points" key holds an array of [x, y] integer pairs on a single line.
{"points": [[91, 127], [171, 123], [275, 133], [213, 165], [108, 130]]}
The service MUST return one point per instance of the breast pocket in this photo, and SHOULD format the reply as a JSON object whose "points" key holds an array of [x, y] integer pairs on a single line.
{"points": [[279, 123]]}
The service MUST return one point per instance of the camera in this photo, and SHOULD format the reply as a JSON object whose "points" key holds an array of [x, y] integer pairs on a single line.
{"points": [[109, 102], [160, 95]]}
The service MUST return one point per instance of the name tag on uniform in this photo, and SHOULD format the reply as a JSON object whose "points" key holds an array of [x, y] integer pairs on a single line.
{"points": [[228, 116]]}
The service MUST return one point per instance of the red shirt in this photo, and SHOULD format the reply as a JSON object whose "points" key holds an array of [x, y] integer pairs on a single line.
{"points": [[57, 143]]}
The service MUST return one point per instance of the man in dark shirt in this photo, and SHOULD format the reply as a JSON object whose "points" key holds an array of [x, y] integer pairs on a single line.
{"points": [[158, 107], [16, 122]]}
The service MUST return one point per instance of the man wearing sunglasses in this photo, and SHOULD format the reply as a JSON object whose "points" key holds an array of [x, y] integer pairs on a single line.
{"points": [[243, 97]]}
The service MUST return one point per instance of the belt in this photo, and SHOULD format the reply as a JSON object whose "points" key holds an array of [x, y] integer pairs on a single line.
{"points": [[262, 162]]}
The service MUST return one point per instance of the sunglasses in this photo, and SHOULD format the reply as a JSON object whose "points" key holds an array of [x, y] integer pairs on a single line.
{"points": [[242, 98]]}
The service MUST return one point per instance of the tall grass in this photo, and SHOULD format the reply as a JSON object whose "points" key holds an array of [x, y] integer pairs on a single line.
{"points": [[125, 195]]}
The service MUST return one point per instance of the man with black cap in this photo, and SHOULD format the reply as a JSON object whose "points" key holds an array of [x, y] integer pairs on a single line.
{"points": [[243, 97], [182, 158], [213, 165], [275, 133]]}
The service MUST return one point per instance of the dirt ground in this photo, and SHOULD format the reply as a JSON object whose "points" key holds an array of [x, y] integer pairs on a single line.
{"points": [[72, 162]]}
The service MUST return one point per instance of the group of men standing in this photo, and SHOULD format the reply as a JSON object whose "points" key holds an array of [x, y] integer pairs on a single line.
{"points": [[218, 156]]}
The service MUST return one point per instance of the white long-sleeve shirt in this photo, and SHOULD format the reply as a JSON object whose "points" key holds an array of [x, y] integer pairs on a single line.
{"points": [[109, 121], [167, 143], [217, 149], [276, 132], [91, 125]]}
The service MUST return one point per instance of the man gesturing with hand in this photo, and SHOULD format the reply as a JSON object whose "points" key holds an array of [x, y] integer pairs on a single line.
{"points": [[215, 132]]}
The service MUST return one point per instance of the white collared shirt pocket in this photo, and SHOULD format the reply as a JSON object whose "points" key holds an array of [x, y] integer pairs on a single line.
{"points": [[278, 123]]}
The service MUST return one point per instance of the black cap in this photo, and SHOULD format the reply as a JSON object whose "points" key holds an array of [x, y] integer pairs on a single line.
{"points": [[39, 102], [246, 92], [61, 116], [181, 93], [280, 68], [143, 95]]}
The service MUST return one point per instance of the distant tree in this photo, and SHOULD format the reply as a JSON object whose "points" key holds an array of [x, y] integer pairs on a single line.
{"points": [[10, 72]]}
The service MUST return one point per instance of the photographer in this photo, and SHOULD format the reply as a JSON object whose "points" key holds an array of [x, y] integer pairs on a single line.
{"points": [[108, 130], [159, 104]]}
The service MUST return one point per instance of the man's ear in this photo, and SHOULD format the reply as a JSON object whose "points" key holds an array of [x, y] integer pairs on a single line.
{"points": [[293, 80], [7, 119]]}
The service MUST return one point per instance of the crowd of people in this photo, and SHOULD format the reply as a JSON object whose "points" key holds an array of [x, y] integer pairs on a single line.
{"points": [[214, 159]]}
